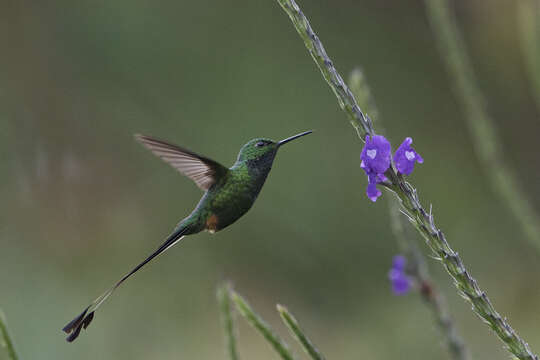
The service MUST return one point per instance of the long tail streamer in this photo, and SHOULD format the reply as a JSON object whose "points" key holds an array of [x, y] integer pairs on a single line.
{"points": [[74, 327]]}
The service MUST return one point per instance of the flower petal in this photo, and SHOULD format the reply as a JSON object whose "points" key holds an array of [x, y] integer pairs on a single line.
{"points": [[398, 262], [405, 157], [376, 154], [372, 192], [401, 285], [419, 159]]}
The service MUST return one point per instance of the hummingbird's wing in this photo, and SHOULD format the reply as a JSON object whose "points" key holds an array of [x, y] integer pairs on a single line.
{"points": [[203, 171]]}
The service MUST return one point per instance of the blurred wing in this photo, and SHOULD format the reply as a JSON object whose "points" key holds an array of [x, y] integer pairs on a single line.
{"points": [[203, 171]]}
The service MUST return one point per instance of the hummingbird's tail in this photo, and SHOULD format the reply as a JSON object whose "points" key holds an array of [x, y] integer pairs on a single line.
{"points": [[74, 327]]}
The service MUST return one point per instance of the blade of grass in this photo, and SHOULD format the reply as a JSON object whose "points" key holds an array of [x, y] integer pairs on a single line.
{"points": [[258, 323], [422, 220], [298, 333], [6, 342], [224, 300], [529, 22], [481, 125]]}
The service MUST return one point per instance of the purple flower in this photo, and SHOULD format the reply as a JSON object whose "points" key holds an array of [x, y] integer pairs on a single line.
{"points": [[400, 282], [375, 155], [372, 192], [375, 160], [405, 157]]}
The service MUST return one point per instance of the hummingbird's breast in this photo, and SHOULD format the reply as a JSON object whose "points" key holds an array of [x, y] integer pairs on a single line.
{"points": [[231, 198]]}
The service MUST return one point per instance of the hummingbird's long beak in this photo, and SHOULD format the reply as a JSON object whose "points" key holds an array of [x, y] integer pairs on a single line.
{"points": [[284, 141]]}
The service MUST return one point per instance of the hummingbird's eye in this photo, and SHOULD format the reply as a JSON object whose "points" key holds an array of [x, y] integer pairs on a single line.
{"points": [[260, 144]]}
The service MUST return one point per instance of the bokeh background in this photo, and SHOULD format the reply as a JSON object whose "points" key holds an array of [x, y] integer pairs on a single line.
{"points": [[82, 202]]}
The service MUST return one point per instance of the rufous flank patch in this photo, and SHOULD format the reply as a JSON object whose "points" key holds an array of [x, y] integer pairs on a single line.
{"points": [[212, 223]]}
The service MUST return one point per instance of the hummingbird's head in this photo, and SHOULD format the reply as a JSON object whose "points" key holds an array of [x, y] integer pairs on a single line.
{"points": [[257, 149], [260, 152]]}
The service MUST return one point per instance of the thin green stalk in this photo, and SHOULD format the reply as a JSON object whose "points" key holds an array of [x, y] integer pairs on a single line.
{"points": [[361, 90], [258, 323], [529, 22], [346, 99], [466, 284], [431, 295], [298, 333], [224, 299], [421, 219], [417, 267], [480, 124], [6, 342]]}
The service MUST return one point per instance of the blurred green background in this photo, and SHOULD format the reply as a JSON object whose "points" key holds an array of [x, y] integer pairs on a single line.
{"points": [[82, 202]]}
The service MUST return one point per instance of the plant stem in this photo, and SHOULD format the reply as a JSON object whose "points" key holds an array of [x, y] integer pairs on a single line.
{"points": [[297, 332], [432, 297], [417, 267], [421, 219], [224, 299], [529, 21], [480, 124], [466, 284], [5, 338], [346, 99], [258, 323]]}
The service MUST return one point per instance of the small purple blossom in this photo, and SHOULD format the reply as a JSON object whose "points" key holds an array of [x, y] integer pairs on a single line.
{"points": [[405, 157], [375, 155], [375, 160], [372, 192], [400, 282]]}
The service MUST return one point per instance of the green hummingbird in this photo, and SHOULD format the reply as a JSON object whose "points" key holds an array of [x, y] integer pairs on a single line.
{"points": [[229, 194]]}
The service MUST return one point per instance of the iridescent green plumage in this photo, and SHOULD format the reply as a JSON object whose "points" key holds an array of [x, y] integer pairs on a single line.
{"points": [[229, 194]]}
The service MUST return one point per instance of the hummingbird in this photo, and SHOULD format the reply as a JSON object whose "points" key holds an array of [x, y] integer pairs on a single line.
{"points": [[228, 194]]}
